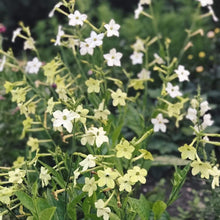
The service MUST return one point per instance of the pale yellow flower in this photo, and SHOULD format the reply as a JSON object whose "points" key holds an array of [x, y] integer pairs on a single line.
{"points": [[93, 85], [90, 186], [16, 176], [137, 174], [124, 149], [201, 167], [118, 97], [187, 151], [125, 183]]}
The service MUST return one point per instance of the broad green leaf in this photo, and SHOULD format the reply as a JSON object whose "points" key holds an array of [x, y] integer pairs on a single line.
{"points": [[113, 216], [26, 201], [158, 208], [140, 206], [34, 189], [41, 204], [47, 214]]}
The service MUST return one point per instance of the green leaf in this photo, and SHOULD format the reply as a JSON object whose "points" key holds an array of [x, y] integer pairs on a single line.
{"points": [[158, 208], [34, 189], [140, 206], [41, 204], [113, 216], [47, 214], [26, 201]]}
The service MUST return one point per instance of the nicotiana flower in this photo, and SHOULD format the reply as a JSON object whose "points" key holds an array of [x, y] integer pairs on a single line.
{"points": [[5, 194], [205, 2], [33, 66], [88, 162], [182, 73], [16, 176], [93, 85], [211, 11], [107, 177], [77, 18], [29, 44], [59, 35], [95, 40], [76, 174], [118, 97], [125, 183], [145, 2], [158, 59], [124, 149], [159, 123], [138, 11], [201, 167], [102, 210], [112, 28], [44, 176], [82, 112], [215, 172], [137, 57], [85, 48], [51, 14], [15, 34], [64, 118], [173, 91], [138, 45], [2, 63], [207, 121], [137, 174], [101, 113], [33, 143], [113, 58], [90, 186], [187, 151], [204, 107], [192, 114], [144, 74]]}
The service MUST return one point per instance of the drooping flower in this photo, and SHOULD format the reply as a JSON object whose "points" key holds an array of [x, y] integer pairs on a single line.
{"points": [[124, 149], [44, 176], [137, 174], [33, 66], [64, 118], [182, 73], [95, 40], [15, 34], [207, 121], [59, 35], [90, 186], [16, 176], [102, 210], [137, 58], [113, 58], [173, 91], [88, 162], [112, 28], [204, 107], [118, 97], [201, 167], [29, 44], [159, 123], [192, 114], [107, 177], [125, 183], [77, 18], [187, 151], [158, 59], [138, 11], [215, 172], [93, 85], [51, 14]]}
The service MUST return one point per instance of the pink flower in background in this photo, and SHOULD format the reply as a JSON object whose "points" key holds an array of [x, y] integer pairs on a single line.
{"points": [[2, 28]]}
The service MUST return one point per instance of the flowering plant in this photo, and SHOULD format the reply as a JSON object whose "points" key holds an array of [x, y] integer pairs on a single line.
{"points": [[88, 121]]}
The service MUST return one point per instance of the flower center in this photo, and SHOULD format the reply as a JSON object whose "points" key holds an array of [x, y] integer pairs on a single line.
{"points": [[64, 117]]}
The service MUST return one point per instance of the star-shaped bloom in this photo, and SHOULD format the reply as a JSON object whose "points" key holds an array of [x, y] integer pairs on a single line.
{"points": [[137, 174], [112, 28], [159, 123], [201, 167], [137, 57], [192, 114], [107, 177], [102, 210], [16, 176], [207, 121], [118, 97], [90, 186], [33, 66], [113, 58], [124, 149], [15, 34], [44, 176], [95, 40], [182, 73], [77, 18], [187, 151], [173, 91], [101, 113], [204, 107], [158, 59], [144, 74], [138, 11], [85, 48], [125, 183], [64, 118], [93, 85], [88, 162], [59, 35], [138, 45]]}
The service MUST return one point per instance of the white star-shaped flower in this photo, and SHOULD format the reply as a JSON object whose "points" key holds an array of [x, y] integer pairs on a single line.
{"points": [[137, 58], [204, 107], [88, 162], [192, 114], [95, 40], [64, 118], [159, 123], [144, 74], [77, 18], [113, 58], [102, 210], [85, 48], [15, 34], [33, 66], [112, 28], [207, 121], [173, 91], [182, 73]]}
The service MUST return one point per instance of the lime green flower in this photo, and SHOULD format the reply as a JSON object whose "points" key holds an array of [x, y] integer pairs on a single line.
{"points": [[82, 112], [19, 162], [16, 176], [125, 183], [101, 113], [187, 151], [50, 106], [201, 167], [146, 154], [124, 149], [33, 143], [137, 84], [5, 194], [102, 210], [215, 172], [8, 86], [93, 85], [107, 177], [118, 97], [137, 174], [18, 95], [90, 186]]}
